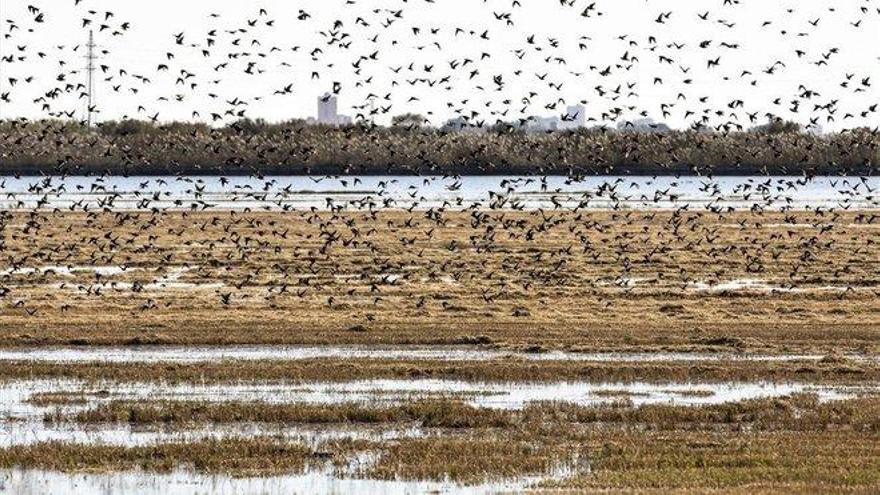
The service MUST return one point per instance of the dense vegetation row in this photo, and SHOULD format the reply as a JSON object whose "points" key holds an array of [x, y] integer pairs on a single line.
{"points": [[294, 148]]}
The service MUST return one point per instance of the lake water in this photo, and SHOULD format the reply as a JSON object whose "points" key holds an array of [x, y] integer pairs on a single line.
{"points": [[276, 193]]}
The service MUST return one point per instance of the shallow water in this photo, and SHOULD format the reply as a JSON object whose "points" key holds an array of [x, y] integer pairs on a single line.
{"points": [[69, 271], [758, 285], [14, 395], [518, 395], [34, 482], [34, 430], [196, 354], [372, 192], [104, 276], [21, 422]]}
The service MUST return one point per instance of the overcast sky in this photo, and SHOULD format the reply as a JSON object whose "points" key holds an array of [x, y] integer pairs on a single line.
{"points": [[509, 61]]}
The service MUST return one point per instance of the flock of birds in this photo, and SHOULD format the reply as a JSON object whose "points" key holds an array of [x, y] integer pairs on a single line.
{"points": [[411, 239], [240, 49], [379, 54]]}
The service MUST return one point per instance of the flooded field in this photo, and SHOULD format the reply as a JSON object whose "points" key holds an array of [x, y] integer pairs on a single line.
{"points": [[69, 411], [436, 351], [18, 396], [348, 435], [40, 482]]}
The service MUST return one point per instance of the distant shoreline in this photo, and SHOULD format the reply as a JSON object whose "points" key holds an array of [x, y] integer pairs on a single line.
{"points": [[203, 173], [281, 170]]}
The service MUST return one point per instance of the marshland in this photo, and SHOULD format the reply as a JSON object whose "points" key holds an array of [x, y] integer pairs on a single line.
{"points": [[423, 247], [465, 350]]}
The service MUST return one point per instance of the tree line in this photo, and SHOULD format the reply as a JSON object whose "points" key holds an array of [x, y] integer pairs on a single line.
{"points": [[255, 147]]}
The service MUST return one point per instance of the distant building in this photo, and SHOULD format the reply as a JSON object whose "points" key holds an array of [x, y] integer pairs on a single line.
{"points": [[575, 117], [328, 113], [646, 125], [327, 109]]}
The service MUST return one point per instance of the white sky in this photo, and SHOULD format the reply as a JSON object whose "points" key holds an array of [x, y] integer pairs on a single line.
{"points": [[374, 26]]}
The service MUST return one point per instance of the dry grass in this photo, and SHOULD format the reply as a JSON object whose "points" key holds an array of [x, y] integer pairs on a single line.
{"points": [[236, 457], [45, 399], [466, 460], [508, 278], [501, 370], [801, 412], [430, 414], [697, 462]]}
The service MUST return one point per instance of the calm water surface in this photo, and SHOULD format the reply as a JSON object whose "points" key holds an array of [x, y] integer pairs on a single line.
{"points": [[364, 192]]}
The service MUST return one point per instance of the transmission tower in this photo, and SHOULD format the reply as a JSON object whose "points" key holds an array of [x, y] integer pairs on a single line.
{"points": [[90, 68]]}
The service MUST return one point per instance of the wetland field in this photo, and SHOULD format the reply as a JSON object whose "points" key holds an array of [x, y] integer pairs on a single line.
{"points": [[403, 247], [432, 350]]}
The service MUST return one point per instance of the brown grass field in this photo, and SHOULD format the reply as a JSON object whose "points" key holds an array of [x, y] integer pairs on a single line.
{"points": [[587, 280], [746, 282]]}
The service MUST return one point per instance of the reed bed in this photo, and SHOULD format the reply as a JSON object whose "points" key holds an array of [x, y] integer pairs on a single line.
{"points": [[292, 148]]}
